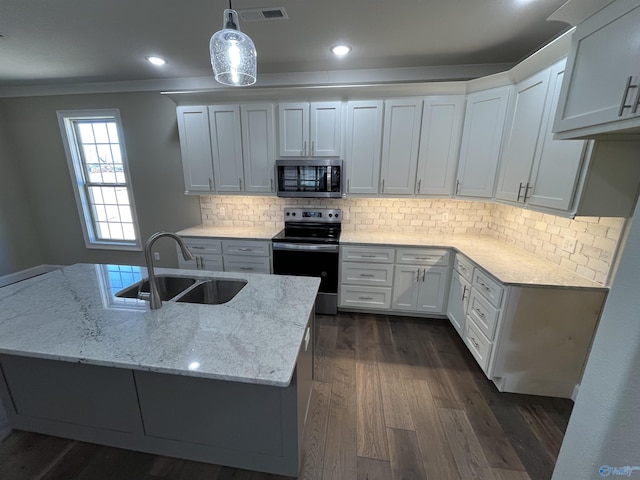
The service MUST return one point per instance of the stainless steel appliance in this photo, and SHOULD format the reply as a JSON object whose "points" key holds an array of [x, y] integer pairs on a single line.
{"points": [[309, 246], [309, 178]]}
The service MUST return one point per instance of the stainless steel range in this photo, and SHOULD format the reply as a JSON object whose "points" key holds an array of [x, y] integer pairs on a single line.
{"points": [[309, 246]]}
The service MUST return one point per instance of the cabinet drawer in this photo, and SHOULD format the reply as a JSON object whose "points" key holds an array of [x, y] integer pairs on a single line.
{"points": [[362, 274], [483, 313], [365, 297], [464, 267], [246, 247], [489, 288], [422, 256], [367, 254], [200, 245], [247, 265], [478, 344]]}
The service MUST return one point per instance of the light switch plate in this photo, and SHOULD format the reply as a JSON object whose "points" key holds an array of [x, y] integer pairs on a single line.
{"points": [[569, 245]]}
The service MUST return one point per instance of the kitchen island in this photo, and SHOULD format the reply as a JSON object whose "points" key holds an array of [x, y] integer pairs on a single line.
{"points": [[227, 384]]}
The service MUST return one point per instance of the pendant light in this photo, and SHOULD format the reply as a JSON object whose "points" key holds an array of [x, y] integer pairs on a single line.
{"points": [[233, 54]]}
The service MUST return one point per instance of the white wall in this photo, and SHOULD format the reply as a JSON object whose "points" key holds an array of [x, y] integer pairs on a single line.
{"points": [[604, 429], [19, 245]]}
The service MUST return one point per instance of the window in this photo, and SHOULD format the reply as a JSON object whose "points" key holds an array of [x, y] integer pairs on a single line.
{"points": [[98, 165]]}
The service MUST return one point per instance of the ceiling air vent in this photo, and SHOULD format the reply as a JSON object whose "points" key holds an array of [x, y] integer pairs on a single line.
{"points": [[262, 14]]}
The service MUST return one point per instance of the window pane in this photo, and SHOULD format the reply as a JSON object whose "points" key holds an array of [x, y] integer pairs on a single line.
{"points": [[113, 132], [101, 213], [86, 133], [103, 231], [125, 214], [115, 153], [95, 195], [104, 154], [100, 131], [116, 231], [129, 231], [90, 154], [109, 195], [113, 214], [123, 196]]}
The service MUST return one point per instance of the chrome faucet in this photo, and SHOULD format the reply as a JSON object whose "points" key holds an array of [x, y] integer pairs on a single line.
{"points": [[154, 295]]}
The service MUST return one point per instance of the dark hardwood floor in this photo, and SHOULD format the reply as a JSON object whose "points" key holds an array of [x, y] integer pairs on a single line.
{"points": [[395, 398]]}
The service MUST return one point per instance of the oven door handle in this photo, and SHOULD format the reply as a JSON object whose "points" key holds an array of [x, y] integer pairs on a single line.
{"points": [[305, 246]]}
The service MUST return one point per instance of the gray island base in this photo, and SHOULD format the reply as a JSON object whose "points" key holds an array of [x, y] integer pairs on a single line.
{"points": [[244, 406]]}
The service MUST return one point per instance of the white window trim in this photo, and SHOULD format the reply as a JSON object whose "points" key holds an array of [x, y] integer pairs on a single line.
{"points": [[65, 119]]}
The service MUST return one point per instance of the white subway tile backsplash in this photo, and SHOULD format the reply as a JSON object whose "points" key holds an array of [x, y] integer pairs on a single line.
{"points": [[541, 234]]}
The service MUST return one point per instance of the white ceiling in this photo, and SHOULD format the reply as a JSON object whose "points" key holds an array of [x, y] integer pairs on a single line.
{"points": [[48, 42]]}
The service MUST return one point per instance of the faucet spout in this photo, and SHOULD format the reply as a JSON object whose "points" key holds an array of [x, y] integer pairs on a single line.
{"points": [[154, 295]]}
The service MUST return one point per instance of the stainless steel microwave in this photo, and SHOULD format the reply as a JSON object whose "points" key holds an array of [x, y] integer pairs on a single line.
{"points": [[317, 178]]}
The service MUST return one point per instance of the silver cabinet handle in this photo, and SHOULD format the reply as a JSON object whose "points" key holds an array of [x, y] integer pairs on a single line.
{"points": [[479, 312], [313, 148], [464, 291], [475, 343], [457, 187], [625, 94], [383, 185], [418, 275], [246, 268], [240, 183], [367, 256], [245, 249], [304, 149], [198, 263], [210, 184], [484, 285], [419, 185], [365, 298], [423, 258], [424, 273], [271, 182], [197, 248], [348, 186], [368, 275], [519, 192]]}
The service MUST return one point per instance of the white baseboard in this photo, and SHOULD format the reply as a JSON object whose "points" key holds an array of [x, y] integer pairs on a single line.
{"points": [[28, 273]]}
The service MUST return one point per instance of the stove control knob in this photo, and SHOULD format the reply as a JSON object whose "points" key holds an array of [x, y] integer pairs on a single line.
{"points": [[293, 214], [288, 213], [336, 215], [330, 215]]}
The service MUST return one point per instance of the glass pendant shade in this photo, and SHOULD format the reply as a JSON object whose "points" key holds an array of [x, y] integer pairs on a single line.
{"points": [[233, 54]]}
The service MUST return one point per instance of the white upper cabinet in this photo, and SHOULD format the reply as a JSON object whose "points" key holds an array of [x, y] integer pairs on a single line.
{"points": [[226, 146], [601, 89], [481, 139], [400, 141], [440, 137], [310, 130], [364, 141], [521, 137], [258, 148], [195, 147]]}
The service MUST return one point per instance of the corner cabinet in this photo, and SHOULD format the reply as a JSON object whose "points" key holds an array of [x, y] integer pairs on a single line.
{"points": [[601, 91], [364, 143], [400, 142], [310, 130], [227, 148], [484, 122]]}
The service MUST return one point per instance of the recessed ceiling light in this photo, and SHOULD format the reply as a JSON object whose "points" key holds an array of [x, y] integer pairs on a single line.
{"points": [[156, 60], [340, 50]]}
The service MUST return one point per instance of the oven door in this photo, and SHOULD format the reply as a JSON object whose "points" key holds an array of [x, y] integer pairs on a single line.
{"points": [[310, 260]]}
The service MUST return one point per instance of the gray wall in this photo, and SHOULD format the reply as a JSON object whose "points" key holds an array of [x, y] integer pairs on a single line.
{"points": [[151, 140], [19, 246]]}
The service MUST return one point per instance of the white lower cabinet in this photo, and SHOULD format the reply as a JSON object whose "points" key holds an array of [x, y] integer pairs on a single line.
{"points": [[394, 279], [459, 291], [247, 256]]}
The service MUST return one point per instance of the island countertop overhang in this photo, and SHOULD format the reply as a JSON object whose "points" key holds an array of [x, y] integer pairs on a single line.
{"points": [[71, 315]]}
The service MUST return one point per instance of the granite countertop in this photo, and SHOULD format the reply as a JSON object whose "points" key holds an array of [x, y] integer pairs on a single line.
{"points": [[230, 232], [509, 264], [72, 315]]}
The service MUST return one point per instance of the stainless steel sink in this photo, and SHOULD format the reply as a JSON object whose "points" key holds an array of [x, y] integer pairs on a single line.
{"points": [[168, 287], [186, 289], [213, 292]]}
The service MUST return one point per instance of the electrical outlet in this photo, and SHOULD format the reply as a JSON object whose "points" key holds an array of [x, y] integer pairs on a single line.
{"points": [[156, 255], [569, 245], [445, 217]]}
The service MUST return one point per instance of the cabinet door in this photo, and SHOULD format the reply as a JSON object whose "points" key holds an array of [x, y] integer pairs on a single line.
{"points": [[195, 147], [439, 144], [405, 287], [481, 138], [521, 137], [226, 144], [400, 145], [293, 128], [326, 129], [458, 300], [558, 163], [258, 149], [604, 58], [432, 289], [364, 142]]}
